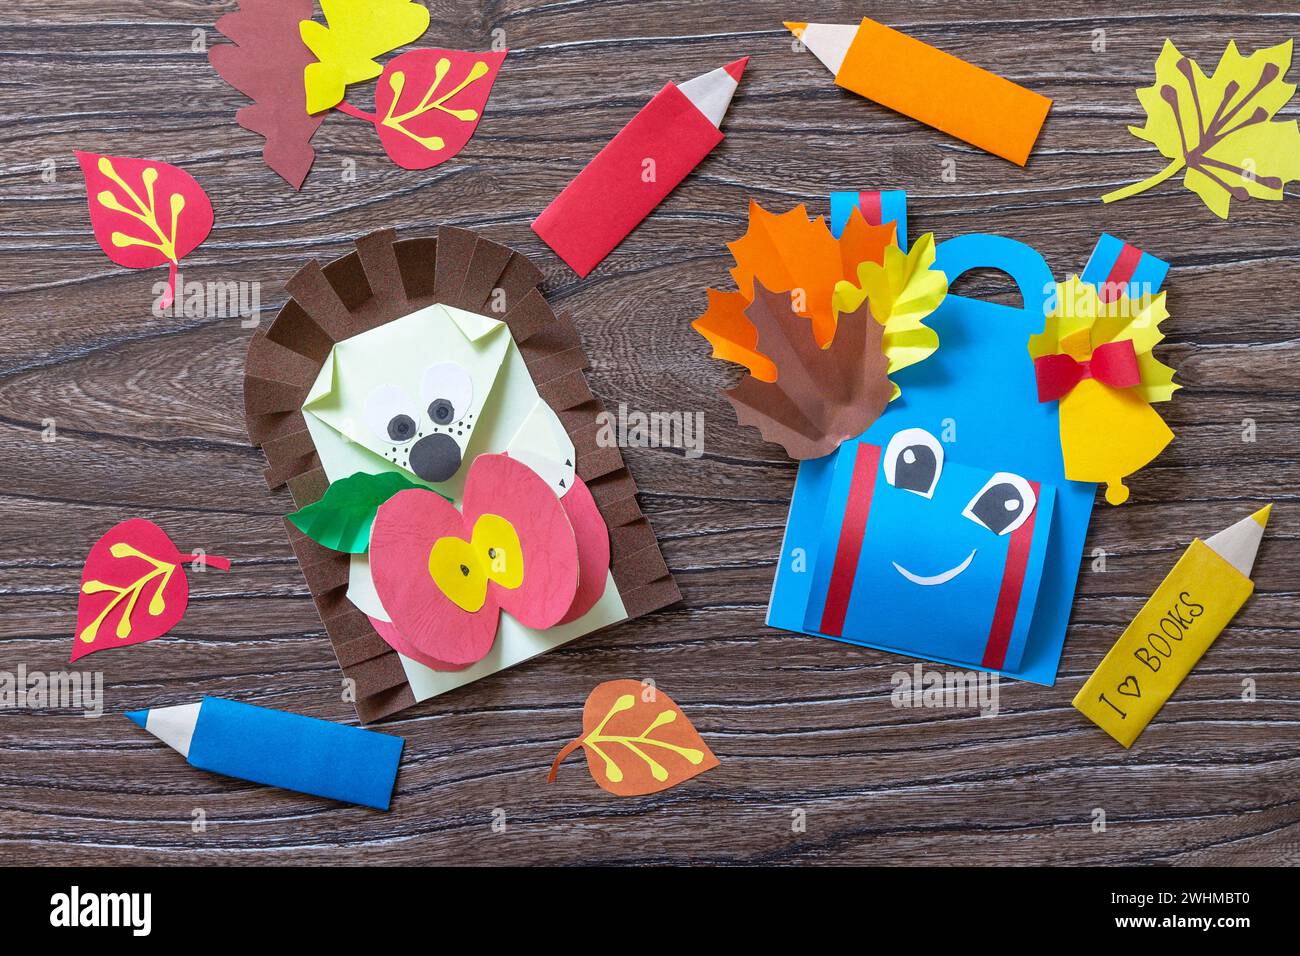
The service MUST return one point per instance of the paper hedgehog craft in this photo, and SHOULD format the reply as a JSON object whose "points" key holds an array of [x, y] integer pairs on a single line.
{"points": [[456, 513], [951, 525]]}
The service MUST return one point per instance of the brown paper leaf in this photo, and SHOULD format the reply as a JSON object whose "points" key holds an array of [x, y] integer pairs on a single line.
{"points": [[265, 62], [821, 397], [637, 740]]}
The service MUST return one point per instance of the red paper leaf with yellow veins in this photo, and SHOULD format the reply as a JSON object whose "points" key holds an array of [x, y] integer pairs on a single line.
{"points": [[145, 213], [637, 740], [133, 587], [429, 102]]}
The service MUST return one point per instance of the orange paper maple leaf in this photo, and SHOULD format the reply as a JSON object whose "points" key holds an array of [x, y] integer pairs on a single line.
{"points": [[787, 252], [821, 323]]}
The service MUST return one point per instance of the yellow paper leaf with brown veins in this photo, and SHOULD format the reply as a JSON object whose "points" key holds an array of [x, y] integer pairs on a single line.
{"points": [[1219, 130]]}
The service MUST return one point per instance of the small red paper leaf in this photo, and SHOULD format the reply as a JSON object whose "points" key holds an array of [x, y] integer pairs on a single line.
{"points": [[429, 102], [133, 588], [145, 213]]}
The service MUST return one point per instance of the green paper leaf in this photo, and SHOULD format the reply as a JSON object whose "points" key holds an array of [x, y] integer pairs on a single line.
{"points": [[341, 520]]}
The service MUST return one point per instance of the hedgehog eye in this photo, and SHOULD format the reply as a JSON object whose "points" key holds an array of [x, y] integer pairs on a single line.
{"points": [[447, 392], [1004, 503], [442, 412], [913, 461], [401, 428], [390, 414]]}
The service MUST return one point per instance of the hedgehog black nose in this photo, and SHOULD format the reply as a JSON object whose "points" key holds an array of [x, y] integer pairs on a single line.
{"points": [[435, 458]]}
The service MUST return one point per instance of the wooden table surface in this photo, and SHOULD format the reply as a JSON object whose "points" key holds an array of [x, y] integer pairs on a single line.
{"points": [[148, 421]]}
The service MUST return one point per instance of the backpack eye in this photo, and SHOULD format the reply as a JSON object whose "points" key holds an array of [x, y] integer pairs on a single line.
{"points": [[913, 461], [447, 392], [390, 414], [1004, 503]]}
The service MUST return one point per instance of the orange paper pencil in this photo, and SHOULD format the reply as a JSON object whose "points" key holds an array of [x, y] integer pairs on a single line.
{"points": [[940, 90]]}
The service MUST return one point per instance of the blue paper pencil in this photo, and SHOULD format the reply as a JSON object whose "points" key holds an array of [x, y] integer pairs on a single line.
{"points": [[280, 749]]}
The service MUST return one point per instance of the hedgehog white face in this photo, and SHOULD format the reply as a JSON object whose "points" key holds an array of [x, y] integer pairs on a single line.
{"points": [[424, 433], [413, 394]]}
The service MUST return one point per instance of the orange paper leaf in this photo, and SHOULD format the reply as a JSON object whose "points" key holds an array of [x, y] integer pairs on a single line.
{"points": [[788, 253], [637, 740]]}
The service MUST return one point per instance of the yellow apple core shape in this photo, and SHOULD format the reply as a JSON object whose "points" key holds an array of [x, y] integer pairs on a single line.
{"points": [[462, 569]]}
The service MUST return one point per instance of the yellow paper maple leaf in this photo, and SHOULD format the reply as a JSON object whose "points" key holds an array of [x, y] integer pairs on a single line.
{"points": [[358, 31], [1220, 129], [902, 291]]}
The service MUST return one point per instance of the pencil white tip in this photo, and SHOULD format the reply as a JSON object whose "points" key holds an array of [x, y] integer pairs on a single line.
{"points": [[1239, 543], [174, 726], [712, 92], [829, 42]]}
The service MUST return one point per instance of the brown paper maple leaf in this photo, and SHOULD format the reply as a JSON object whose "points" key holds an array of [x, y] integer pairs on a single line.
{"points": [[821, 397]]}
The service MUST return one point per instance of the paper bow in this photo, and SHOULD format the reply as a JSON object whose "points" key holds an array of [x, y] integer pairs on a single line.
{"points": [[1114, 364]]}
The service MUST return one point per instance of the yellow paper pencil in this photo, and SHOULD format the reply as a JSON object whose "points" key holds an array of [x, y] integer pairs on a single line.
{"points": [[1203, 592], [927, 84]]}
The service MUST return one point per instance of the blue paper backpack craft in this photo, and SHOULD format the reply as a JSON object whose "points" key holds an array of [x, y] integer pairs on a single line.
{"points": [[948, 529]]}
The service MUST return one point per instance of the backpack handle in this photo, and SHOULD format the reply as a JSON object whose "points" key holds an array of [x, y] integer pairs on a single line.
{"points": [[1025, 266]]}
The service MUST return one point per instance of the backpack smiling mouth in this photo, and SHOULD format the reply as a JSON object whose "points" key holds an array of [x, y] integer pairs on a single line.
{"points": [[942, 578]]}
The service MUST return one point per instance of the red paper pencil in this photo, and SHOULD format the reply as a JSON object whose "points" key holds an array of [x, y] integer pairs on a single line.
{"points": [[638, 168]]}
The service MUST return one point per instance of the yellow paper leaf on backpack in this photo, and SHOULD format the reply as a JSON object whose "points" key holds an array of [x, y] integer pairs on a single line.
{"points": [[1107, 433], [902, 291], [1081, 322], [358, 32]]}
